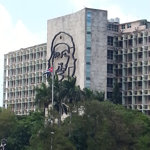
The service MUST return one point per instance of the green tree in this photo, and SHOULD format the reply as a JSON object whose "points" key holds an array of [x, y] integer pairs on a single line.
{"points": [[7, 123], [26, 128], [51, 136], [43, 96], [116, 94]]}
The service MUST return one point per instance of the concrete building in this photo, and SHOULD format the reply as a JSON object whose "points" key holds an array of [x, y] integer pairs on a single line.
{"points": [[23, 71], [106, 52], [88, 31], [85, 44], [133, 57]]}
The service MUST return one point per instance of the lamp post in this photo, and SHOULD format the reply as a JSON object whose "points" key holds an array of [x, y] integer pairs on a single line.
{"points": [[69, 117], [3, 143]]}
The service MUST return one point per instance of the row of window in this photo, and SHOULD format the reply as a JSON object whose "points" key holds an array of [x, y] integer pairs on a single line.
{"points": [[21, 94], [112, 27], [27, 69], [88, 49], [27, 81], [27, 57], [113, 41]]}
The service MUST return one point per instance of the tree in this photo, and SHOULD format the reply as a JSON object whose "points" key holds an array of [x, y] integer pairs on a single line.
{"points": [[7, 123], [43, 96], [116, 94], [26, 128], [99, 96]]}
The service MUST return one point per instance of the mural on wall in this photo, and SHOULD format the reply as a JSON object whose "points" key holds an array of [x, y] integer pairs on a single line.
{"points": [[62, 55]]}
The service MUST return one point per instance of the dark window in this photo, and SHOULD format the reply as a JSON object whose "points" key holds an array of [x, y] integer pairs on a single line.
{"points": [[143, 22], [110, 40], [109, 68], [112, 27], [149, 39], [109, 95], [87, 78], [130, 42], [120, 44], [129, 57], [140, 55], [140, 84], [130, 71], [110, 54], [129, 25], [123, 26], [140, 40], [130, 85], [109, 82]]}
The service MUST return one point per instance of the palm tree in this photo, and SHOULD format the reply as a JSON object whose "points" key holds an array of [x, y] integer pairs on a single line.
{"points": [[43, 96]]}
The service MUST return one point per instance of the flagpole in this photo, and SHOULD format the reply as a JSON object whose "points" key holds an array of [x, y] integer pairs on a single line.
{"points": [[52, 86], [52, 105]]}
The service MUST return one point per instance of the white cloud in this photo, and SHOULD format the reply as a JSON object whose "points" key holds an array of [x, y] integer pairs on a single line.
{"points": [[14, 37]]}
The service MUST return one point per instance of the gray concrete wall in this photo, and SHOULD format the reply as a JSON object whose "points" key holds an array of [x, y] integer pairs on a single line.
{"points": [[73, 24], [99, 50]]}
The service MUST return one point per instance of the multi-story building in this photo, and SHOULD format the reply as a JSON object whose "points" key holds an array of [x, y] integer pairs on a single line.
{"points": [[134, 55], [86, 45], [83, 34], [23, 71], [105, 52]]}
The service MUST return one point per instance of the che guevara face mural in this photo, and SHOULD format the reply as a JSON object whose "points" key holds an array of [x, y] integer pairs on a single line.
{"points": [[62, 55]]}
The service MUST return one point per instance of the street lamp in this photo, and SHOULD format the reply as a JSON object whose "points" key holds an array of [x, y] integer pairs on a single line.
{"points": [[3, 143]]}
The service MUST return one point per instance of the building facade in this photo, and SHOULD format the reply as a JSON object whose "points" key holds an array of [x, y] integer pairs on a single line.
{"points": [[134, 55], [23, 71], [85, 44], [88, 31]]}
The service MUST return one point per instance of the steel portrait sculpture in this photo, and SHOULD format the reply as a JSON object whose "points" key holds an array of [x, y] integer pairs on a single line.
{"points": [[62, 58]]}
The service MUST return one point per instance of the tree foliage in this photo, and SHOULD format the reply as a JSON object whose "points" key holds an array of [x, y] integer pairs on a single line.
{"points": [[116, 94], [101, 125]]}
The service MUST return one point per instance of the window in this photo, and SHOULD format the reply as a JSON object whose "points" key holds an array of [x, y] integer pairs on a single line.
{"points": [[140, 84], [88, 58], [109, 95], [109, 68], [143, 22], [88, 44], [149, 39], [130, 42], [110, 54], [88, 37], [129, 57], [130, 85], [110, 40], [112, 27], [110, 82], [87, 84], [120, 44], [129, 71], [88, 19], [140, 55], [140, 40], [129, 25], [123, 26]]}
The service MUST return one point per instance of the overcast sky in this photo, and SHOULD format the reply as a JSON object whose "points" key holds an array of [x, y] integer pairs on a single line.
{"points": [[23, 23]]}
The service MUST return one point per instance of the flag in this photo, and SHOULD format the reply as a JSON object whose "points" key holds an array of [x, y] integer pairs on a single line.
{"points": [[48, 71]]}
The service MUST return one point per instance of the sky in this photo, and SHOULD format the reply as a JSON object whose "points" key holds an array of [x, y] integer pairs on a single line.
{"points": [[23, 23]]}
